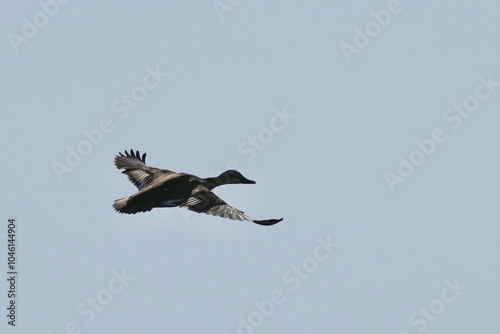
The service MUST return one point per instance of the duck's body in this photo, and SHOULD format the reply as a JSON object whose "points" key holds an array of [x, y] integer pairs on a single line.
{"points": [[163, 188]]}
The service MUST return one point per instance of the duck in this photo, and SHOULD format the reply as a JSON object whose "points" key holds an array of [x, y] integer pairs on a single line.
{"points": [[163, 188]]}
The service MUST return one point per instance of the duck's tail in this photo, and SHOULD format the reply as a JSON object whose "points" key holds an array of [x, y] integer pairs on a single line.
{"points": [[131, 205], [120, 205]]}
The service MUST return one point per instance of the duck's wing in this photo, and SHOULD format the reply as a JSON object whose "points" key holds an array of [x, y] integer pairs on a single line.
{"points": [[140, 174], [203, 200]]}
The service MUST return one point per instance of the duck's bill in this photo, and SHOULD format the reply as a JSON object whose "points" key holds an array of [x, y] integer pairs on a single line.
{"points": [[247, 181]]}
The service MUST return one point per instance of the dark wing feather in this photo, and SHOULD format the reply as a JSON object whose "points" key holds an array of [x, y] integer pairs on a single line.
{"points": [[203, 200], [130, 160], [140, 174]]}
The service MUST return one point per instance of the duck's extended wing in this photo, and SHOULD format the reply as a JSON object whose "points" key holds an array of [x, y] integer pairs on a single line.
{"points": [[140, 174], [203, 200]]}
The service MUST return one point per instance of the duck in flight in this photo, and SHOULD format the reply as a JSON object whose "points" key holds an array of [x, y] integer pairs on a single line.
{"points": [[160, 188]]}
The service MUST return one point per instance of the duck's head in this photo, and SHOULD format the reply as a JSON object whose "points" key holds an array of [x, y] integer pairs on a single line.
{"points": [[228, 177], [233, 176]]}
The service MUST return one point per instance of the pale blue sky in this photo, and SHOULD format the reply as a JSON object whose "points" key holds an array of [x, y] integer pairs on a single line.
{"points": [[266, 87]]}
